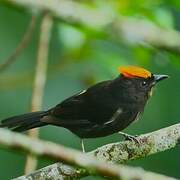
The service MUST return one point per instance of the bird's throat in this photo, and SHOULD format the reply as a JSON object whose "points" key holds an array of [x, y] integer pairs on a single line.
{"points": [[150, 92]]}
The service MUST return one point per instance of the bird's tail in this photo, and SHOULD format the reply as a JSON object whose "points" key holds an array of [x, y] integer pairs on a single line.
{"points": [[24, 122]]}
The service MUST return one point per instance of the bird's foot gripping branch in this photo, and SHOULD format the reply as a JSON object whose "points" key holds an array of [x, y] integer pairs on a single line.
{"points": [[129, 137]]}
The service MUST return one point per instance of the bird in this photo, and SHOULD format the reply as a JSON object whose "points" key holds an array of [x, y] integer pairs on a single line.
{"points": [[103, 109]]}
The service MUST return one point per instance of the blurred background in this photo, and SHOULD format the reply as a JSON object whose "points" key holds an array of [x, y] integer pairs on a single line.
{"points": [[80, 57]]}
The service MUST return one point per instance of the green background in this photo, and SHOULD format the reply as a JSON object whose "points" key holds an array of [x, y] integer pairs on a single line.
{"points": [[79, 58]]}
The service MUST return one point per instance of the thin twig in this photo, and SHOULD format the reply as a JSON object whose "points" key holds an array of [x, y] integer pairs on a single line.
{"points": [[21, 46], [89, 164], [39, 82]]}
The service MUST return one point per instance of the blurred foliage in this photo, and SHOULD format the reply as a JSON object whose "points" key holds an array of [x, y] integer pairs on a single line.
{"points": [[79, 58]]}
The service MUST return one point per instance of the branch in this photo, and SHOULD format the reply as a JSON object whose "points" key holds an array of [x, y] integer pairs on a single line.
{"points": [[151, 143], [65, 172], [129, 29], [22, 45], [39, 82], [73, 157]]}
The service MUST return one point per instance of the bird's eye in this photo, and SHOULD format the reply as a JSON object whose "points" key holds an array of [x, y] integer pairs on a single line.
{"points": [[143, 83]]}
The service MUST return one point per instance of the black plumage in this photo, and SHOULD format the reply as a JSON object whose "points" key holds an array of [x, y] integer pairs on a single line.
{"points": [[101, 110]]}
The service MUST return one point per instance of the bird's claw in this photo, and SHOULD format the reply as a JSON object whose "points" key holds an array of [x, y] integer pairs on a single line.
{"points": [[130, 137]]}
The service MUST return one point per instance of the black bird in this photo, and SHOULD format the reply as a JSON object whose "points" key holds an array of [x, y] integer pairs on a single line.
{"points": [[103, 109]]}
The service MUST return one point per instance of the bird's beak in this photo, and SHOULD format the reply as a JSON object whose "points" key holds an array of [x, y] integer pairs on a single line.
{"points": [[159, 77]]}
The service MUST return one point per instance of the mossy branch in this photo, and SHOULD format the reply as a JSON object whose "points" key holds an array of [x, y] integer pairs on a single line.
{"points": [[150, 143]]}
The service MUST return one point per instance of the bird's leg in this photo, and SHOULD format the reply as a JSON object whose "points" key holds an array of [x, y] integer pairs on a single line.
{"points": [[82, 146], [129, 137]]}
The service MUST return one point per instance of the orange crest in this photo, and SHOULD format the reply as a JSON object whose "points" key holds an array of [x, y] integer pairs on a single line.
{"points": [[134, 71]]}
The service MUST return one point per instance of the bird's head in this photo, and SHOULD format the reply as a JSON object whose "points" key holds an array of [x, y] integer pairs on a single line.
{"points": [[139, 81]]}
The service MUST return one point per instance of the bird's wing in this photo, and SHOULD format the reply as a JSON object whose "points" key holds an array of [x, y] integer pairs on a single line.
{"points": [[79, 109], [69, 112]]}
